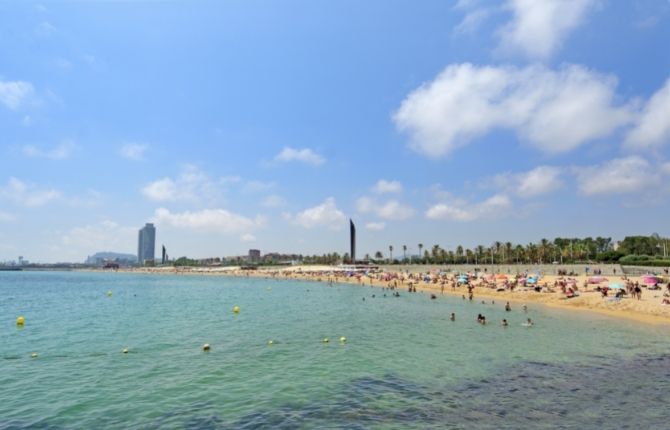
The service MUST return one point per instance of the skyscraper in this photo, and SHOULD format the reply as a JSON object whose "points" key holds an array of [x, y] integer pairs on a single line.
{"points": [[146, 243], [352, 240]]}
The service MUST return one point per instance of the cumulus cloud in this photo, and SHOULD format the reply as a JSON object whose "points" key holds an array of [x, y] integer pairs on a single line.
{"points": [[191, 185], [210, 220], [14, 94], [553, 110], [383, 186], [492, 207], [61, 151], [375, 226], [539, 28], [304, 155], [133, 151], [27, 195], [652, 127], [535, 182], [617, 176], [326, 214], [390, 210]]}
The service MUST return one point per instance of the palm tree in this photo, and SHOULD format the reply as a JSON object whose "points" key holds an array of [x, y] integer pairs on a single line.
{"points": [[435, 253], [391, 253], [508, 251], [459, 253], [420, 248], [404, 253]]}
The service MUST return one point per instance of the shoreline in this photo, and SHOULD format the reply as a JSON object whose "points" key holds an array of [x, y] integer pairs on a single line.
{"points": [[648, 310]]}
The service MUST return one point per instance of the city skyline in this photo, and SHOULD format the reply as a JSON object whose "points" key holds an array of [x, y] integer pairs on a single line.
{"points": [[246, 125]]}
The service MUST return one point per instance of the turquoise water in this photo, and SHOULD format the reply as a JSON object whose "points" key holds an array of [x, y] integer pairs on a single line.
{"points": [[404, 365]]}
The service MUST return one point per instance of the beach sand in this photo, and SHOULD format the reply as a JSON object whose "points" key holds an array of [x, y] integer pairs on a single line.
{"points": [[648, 310]]}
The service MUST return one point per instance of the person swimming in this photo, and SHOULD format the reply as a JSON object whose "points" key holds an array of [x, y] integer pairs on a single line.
{"points": [[452, 316], [504, 323], [508, 307], [528, 323]]}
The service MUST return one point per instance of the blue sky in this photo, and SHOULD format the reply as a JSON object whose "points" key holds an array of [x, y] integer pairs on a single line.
{"points": [[255, 124]]}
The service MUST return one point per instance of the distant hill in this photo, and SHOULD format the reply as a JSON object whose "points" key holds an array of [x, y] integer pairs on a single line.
{"points": [[101, 257]]}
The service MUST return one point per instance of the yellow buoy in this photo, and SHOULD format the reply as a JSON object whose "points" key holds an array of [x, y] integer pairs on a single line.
{"points": [[33, 355], [205, 347], [343, 339], [236, 309], [109, 293], [125, 350], [271, 342], [325, 340], [20, 320]]}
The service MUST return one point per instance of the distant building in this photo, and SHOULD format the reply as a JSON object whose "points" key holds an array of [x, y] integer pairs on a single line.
{"points": [[146, 244], [352, 241], [254, 255]]}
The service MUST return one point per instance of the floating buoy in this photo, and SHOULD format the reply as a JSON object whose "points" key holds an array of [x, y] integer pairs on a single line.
{"points": [[125, 350], [205, 347], [109, 293], [325, 340], [33, 355], [236, 309], [343, 339], [271, 342], [269, 288], [20, 320]]}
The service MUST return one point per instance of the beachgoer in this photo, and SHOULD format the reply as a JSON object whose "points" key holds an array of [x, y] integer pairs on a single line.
{"points": [[452, 316], [508, 307], [529, 322], [504, 323]]}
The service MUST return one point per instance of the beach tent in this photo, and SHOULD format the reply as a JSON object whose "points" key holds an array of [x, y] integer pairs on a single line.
{"points": [[597, 279]]}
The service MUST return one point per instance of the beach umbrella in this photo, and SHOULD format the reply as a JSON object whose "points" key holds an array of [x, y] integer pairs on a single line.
{"points": [[501, 277], [596, 279], [615, 286], [531, 280], [650, 280]]}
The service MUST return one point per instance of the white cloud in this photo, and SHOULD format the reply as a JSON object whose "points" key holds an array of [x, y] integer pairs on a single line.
{"points": [[304, 155], [210, 220], [273, 201], [14, 94], [540, 180], [326, 214], [618, 176], [652, 128], [27, 195], [554, 110], [375, 226], [383, 186], [133, 151], [106, 235], [62, 151], [539, 27], [191, 185], [390, 210], [248, 237], [494, 206], [473, 20]]}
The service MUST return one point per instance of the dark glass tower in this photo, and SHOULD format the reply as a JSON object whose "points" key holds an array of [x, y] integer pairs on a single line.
{"points": [[146, 243], [352, 240]]}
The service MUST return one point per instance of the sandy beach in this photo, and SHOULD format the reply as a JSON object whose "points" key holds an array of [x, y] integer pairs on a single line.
{"points": [[648, 309]]}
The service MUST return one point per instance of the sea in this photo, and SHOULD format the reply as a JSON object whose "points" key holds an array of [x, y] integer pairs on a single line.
{"points": [[404, 363]]}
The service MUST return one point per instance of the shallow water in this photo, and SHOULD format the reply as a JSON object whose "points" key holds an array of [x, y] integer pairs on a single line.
{"points": [[404, 365]]}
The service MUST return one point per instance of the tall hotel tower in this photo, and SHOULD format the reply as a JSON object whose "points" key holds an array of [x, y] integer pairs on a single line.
{"points": [[146, 244]]}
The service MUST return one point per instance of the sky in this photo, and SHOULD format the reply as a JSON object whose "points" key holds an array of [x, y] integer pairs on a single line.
{"points": [[257, 124]]}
